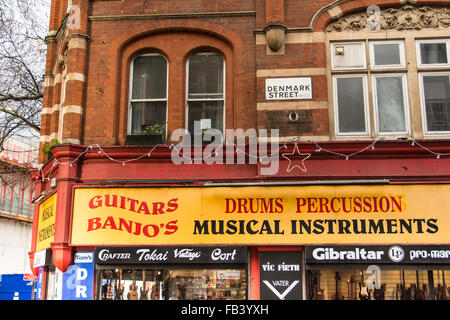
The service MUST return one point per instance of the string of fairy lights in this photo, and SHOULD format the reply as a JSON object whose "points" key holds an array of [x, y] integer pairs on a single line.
{"points": [[297, 140]]}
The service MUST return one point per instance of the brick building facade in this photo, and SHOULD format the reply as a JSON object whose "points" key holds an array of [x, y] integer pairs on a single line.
{"points": [[375, 111]]}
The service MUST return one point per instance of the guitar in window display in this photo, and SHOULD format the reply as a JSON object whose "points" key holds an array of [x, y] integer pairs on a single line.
{"points": [[363, 292]]}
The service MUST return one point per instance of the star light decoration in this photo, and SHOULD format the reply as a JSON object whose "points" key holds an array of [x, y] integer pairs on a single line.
{"points": [[290, 165]]}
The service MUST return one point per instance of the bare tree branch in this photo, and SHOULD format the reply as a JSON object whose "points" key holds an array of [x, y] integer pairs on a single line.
{"points": [[23, 26]]}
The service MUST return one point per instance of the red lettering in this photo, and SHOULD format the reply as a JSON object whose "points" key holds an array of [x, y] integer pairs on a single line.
{"points": [[123, 201], [242, 203], [333, 208], [127, 224], [346, 210], [171, 227], [108, 202], [367, 204], [323, 203], [150, 234], [357, 204], [375, 204], [95, 202], [172, 205], [94, 224], [158, 207], [230, 203], [110, 223], [301, 202], [310, 205], [397, 204], [279, 205], [137, 230], [133, 203], [384, 207], [143, 208]]}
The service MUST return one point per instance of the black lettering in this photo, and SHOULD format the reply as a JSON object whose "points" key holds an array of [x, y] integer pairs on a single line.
{"points": [[376, 227], [318, 227], [231, 227], [405, 224], [391, 225], [344, 228], [265, 228], [419, 223], [201, 228], [432, 226]]}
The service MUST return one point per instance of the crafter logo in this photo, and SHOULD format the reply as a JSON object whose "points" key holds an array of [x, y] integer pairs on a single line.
{"points": [[396, 253]]}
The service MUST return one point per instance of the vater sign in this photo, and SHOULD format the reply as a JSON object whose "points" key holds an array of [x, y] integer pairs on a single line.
{"points": [[288, 88]]}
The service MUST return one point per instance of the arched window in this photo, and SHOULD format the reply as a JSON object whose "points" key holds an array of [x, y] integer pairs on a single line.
{"points": [[205, 91], [148, 93]]}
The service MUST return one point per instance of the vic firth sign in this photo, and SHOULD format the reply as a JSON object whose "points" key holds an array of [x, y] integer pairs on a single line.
{"points": [[170, 255], [280, 275]]}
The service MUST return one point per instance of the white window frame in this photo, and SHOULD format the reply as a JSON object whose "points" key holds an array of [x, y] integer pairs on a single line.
{"points": [[434, 65], [401, 48], [405, 103], [130, 93], [221, 99], [366, 106], [423, 106], [333, 50]]}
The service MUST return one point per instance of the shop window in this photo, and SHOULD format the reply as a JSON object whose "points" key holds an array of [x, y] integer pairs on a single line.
{"points": [[173, 284], [148, 94], [359, 284], [388, 110], [205, 91]]}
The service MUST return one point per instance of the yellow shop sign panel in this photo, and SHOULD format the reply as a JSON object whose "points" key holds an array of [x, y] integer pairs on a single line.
{"points": [[262, 215], [46, 223]]}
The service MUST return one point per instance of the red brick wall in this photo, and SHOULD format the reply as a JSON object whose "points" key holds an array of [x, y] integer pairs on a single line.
{"points": [[113, 44], [118, 30]]}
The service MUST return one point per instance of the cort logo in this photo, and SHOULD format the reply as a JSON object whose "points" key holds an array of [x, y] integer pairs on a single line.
{"points": [[217, 254]]}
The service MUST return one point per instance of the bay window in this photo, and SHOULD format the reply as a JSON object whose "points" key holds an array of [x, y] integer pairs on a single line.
{"points": [[353, 74]]}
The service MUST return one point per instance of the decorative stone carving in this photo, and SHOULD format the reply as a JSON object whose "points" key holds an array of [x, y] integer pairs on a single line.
{"points": [[404, 18], [275, 36]]}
